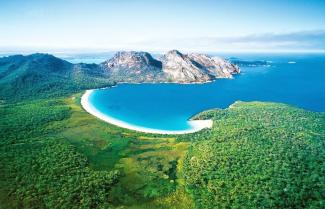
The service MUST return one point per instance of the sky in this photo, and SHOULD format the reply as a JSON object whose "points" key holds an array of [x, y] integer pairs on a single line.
{"points": [[205, 25]]}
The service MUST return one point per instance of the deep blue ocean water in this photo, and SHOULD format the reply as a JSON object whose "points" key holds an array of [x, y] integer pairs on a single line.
{"points": [[298, 80]]}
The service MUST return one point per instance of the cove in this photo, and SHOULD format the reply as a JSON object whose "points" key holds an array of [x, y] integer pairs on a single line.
{"points": [[296, 80]]}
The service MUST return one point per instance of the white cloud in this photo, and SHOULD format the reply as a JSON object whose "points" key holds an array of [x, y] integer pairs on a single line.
{"points": [[298, 41]]}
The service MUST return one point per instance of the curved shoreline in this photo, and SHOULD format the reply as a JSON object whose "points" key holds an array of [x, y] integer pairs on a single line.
{"points": [[196, 125]]}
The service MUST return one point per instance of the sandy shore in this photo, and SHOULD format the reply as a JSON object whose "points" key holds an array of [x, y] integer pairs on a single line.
{"points": [[196, 125]]}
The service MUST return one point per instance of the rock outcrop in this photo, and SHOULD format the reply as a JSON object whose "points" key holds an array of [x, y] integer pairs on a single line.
{"points": [[181, 68], [134, 67], [215, 66], [135, 60], [196, 67]]}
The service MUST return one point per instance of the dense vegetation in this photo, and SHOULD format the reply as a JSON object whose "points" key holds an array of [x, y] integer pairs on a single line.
{"points": [[39, 169], [259, 155], [44, 76], [55, 155]]}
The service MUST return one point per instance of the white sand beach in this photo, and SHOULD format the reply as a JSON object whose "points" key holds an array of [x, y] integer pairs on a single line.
{"points": [[196, 125]]}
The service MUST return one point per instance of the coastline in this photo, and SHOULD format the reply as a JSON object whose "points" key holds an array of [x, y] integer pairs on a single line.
{"points": [[196, 125]]}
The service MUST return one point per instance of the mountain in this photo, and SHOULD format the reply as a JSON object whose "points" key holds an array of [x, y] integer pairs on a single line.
{"points": [[215, 66], [196, 67], [28, 66], [133, 67], [181, 68], [44, 75], [40, 75], [132, 60]]}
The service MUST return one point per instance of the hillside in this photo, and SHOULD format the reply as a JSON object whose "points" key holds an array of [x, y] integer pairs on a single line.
{"points": [[134, 67], [258, 155], [196, 67], [43, 75]]}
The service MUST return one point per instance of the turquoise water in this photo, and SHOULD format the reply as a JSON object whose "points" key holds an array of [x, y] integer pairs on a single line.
{"points": [[297, 80], [85, 60], [88, 58]]}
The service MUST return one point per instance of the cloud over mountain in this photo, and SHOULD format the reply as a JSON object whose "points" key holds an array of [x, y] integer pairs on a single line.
{"points": [[295, 41]]}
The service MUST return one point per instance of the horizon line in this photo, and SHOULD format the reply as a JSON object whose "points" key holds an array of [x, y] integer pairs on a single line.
{"points": [[110, 50]]}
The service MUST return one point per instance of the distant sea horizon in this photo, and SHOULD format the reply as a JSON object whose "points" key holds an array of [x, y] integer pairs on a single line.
{"points": [[101, 56]]}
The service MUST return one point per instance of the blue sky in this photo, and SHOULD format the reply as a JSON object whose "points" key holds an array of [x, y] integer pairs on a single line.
{"points": [[204, 25]]}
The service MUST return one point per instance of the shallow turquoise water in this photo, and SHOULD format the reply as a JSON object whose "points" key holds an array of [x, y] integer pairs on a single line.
{"points": [[168, 106]]}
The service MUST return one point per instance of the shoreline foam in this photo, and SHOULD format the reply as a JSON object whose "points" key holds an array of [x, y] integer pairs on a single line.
{"points": [[196, 125]]}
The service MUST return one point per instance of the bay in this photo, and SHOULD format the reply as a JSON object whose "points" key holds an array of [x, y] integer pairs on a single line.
{"points": [[297, 79]]}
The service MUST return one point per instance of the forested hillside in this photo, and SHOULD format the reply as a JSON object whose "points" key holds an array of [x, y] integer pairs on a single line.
{"points": [[259, 155], [43, 75]]}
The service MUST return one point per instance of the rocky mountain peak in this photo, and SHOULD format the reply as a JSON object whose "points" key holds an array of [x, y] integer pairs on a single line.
{"points": [[174, 52], [195, 67], [131, 66], [131, 59], [216, 66]]}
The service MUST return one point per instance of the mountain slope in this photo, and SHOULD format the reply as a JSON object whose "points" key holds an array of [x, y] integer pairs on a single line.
{"points": [[43, 75], [196, 67], [215, 66], [133, 67], [181, 68]]}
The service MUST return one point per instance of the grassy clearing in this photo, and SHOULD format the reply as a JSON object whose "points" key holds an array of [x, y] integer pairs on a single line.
{"points": [[150, 165]]}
